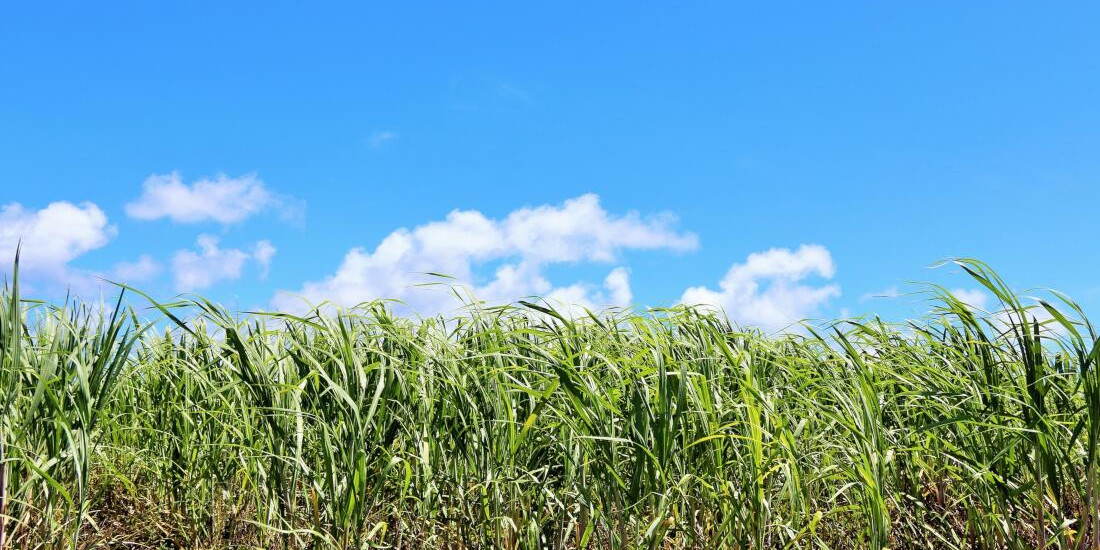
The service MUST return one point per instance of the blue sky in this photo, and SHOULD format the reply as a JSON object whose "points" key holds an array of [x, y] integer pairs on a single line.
{"points": [[886, 135]]}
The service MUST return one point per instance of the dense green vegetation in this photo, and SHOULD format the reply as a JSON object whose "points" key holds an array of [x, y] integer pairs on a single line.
{"points": [[517, 427]]}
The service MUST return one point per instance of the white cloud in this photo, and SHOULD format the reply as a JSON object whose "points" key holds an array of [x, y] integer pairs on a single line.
{"points": [[263, 252], [1005, 320], [525, 241], [575, 298], [223, 199], [972, 297], [198, 270], [767, 290], [617, 284], [53, 236], [581, 229], [141, 270], [381, 137]]}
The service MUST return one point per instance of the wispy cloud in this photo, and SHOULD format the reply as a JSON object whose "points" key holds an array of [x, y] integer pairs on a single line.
{"points": [[263, 252], [489, 93], [512, 92], [138, 271], [381, 137]]}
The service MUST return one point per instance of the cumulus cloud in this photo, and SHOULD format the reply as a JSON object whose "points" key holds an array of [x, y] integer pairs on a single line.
{"points": [[617, 284], [1005, 321], [521, 244], [223, 199], [768, 289], [53, 236], [576, 298], [972, 297], [196, 270]]}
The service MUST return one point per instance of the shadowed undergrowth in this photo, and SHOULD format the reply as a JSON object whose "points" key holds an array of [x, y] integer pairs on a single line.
{"points": [[517, 427]]}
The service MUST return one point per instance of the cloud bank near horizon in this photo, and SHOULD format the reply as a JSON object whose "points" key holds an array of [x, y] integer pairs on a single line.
{"points": [[494, 260]]}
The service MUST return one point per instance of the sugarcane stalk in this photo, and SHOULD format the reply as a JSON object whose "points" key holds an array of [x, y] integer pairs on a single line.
{"points": [[3, 495]]}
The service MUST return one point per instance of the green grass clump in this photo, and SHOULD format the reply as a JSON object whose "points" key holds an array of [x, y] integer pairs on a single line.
{"points": [[520, 428]]}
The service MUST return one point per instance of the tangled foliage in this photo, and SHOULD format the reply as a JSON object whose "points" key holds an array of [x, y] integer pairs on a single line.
{"points": [[517, 427]]}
